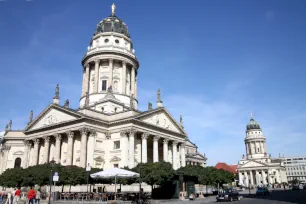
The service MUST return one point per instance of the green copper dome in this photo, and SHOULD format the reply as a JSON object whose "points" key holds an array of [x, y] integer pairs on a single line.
{"points": [[253, 125], [112, 24]]}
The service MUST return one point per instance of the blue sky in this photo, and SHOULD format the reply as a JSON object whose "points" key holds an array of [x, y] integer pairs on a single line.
{"points": [[215, 62]]}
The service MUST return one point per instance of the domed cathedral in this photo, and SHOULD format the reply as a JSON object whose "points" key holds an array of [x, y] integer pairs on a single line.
{"points": [[256, 167], [107, 130]]}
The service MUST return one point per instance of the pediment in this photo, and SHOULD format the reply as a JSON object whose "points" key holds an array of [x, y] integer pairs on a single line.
{"points": [[99, 159], [253, 164], [51, 116], [115, 158], [161, 118]]}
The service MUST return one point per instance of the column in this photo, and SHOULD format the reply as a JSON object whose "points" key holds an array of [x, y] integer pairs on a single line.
{"points": [[90, 151], [86, 86], [183, 155], [46, 149], [124, 148], [36, 148], [165, 149], [133, 80], [70, 136], [246, 149], [58, 139], [155, 148], [132, 134], [263, 175], [240, 178], [123, 77], [83, 132], [111, 69], [265, 147], [26, 154], [83, 83], [174, 150], [262, 148], [144, 150], [251, 177], [96, 76], [269, 177], [277, 176]]}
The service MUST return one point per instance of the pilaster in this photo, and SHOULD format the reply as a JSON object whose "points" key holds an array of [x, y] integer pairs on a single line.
{"points": [[124, 148], [165, 149], [83, 132], [70, 136], [97, 62], [174, 157], [155, 148], [58, 139]]}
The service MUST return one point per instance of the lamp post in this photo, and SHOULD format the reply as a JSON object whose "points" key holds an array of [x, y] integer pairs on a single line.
{"points": [[51, 163], [139, 182], [88, 169]]}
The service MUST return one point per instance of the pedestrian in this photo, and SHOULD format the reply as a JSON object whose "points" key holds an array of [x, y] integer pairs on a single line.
{"points": [[16, 196], [9, 198], [31, 195], [1, 197], [37, 197]]}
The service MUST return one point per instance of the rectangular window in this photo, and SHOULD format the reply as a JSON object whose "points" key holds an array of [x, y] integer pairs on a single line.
{"points": [[104, 87], [117, 145]]}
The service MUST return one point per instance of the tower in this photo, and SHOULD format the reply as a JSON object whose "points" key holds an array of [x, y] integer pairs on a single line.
{"points": [[110, 68], [255, 141]]}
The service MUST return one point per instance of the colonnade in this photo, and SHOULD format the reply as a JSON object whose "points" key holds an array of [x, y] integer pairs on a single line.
{"points": [[128, 151], [126, 68], [259, 177], [255, 147], [86, 135]]}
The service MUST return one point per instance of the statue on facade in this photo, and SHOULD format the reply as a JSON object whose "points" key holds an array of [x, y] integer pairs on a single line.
{"points": [[87, 99], [149, 106], [181, 121], [270, 156], [132, 102], [66, 105], [56, 92], [31, 116], [158, 96], [243, 157], [110, 89], [10, 125]]}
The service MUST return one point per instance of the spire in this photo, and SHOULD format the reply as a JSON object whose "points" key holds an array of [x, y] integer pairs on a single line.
{"points": [[56, 96], [113, 9], [159, 101]]}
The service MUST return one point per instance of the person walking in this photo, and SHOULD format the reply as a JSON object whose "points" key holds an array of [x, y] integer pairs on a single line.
{"points": [[1, 197], [37, 197], [9, 198], [16, 196], [31, 195]]}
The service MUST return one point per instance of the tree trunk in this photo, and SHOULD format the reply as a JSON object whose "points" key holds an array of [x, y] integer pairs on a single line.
{"points": [[70, 188]]}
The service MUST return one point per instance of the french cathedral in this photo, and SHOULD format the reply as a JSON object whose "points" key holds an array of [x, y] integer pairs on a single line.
{"points": [[257, 168], [107, 130]]}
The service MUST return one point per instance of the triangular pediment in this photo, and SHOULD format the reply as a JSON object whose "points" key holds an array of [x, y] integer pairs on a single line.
{"points": [[161, 118], [252, 164], [53, 115]]}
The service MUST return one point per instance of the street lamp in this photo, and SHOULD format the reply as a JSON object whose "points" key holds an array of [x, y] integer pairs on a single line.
{"points": [[51, 163], [139, 182], [88, 169]]}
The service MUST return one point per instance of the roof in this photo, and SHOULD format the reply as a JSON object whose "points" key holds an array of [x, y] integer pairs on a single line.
{"points": [[234, 167], [226, 167], [253, 125], [112, 24]]}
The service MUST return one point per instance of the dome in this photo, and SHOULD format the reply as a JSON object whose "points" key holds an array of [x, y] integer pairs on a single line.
{"points": [[252, 125], [112, 24]]}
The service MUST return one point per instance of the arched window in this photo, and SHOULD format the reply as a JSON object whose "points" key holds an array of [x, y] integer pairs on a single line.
{"points": [[17, 163]]}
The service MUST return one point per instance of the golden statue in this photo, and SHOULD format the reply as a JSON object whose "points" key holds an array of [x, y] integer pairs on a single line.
{"points": [[113, 9]]}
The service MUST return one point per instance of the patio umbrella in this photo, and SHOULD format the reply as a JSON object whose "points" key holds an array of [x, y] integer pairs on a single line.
{"points": [[114, 173]]}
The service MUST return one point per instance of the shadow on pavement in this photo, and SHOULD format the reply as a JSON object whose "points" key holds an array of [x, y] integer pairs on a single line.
{"points": [[282, 195]]}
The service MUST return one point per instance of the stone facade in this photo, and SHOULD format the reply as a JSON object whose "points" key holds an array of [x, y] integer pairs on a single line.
{"points": [[256, 168], [107, 130]]}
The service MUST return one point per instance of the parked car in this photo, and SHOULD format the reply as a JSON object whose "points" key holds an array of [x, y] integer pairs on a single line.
{"points": [[262, 191], [228, 195]]}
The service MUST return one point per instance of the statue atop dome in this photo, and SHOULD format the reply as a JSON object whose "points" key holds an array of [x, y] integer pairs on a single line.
{"points": [[113, 9]]}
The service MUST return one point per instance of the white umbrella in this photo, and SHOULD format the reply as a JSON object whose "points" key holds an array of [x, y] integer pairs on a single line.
{"points": [[114, 173]]}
